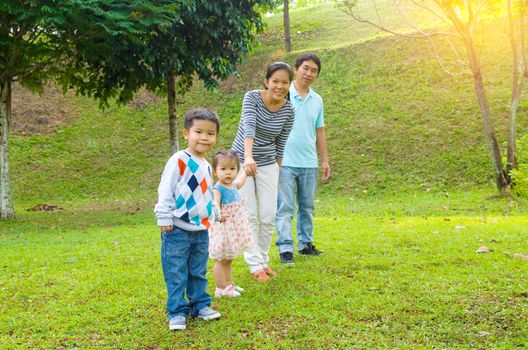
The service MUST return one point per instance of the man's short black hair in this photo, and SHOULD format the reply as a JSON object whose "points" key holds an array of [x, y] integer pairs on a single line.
{"points": [[308, 57], [200, 114]]}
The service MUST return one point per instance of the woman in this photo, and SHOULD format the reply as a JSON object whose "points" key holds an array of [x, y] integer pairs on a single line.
{"points": [[266, 121]]}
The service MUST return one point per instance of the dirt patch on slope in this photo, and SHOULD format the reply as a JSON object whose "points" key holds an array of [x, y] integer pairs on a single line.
{"points": [[40, 113], [144, 99], [34, 113]]}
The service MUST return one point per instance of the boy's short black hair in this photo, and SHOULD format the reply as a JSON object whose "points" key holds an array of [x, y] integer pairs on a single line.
{"points": [[200, 114], [308, 57]]}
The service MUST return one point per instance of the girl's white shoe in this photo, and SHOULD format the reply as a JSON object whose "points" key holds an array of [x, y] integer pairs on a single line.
{"points": [[237, 288], [228, 291]]}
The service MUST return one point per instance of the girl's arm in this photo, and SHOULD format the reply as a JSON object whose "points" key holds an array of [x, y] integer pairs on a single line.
{"points": [[240, 180], [217, 197]]}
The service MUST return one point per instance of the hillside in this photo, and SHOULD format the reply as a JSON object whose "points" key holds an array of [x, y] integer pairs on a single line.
{"points": [[395, 121]]}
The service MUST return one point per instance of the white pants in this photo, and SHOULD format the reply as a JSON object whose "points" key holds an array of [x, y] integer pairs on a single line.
{"points": [[261, 194]]}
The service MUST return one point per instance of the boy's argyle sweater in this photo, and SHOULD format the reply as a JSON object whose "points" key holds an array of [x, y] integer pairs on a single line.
{"points": [[185, 196]]}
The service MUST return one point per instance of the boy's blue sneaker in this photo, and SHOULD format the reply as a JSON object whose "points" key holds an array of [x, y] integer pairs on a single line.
{"points": [[206, 313], [177, 322]]}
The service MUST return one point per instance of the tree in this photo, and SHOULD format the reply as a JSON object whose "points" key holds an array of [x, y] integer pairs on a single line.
{"points": [[516, 16], [462, 20], [70, 41], [206, 41], [287, 34], [286, 17], [110, 49]]}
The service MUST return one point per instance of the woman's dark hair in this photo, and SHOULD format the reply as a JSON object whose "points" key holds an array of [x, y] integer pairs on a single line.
{"points": [[308, 57], [225, 155], [275, 66]]}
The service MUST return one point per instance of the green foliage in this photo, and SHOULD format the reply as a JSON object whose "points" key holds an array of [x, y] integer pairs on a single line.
{"points": [[520, 175], [73, 41], [207, 40], [111, 39]]}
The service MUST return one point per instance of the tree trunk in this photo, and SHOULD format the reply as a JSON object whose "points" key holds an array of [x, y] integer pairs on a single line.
{"points": [[287, 35], [512, 135], [502, 179], [173, 117], [517, 87], [6, 207]]}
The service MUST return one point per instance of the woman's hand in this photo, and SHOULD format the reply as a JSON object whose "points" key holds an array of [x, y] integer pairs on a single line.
{"points": [[250, 166], [224, 217]]}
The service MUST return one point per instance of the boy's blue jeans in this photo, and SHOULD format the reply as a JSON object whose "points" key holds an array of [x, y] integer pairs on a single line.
{"points": [[184, 257], [304, 181]]}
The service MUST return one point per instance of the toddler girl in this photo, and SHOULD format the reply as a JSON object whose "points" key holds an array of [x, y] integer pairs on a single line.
{"points": [[228, 238]]}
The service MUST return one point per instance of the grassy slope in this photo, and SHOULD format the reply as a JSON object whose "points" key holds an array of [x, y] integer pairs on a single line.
{"points": [[395, 120]]}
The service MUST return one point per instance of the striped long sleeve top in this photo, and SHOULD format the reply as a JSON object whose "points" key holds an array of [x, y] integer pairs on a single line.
{"points": [[270, 130]]}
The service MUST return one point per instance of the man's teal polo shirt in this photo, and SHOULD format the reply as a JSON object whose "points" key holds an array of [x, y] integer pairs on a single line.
{"points": [[300, 150]]}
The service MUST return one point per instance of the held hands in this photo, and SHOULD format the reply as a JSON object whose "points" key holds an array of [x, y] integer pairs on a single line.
{"points": [[250, 166], [166, 228], [224, 217]]}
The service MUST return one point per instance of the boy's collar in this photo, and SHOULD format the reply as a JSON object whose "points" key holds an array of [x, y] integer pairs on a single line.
{"points": [[191, 154]]}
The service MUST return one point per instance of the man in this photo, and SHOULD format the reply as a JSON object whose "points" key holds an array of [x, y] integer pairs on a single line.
{"points": [[298, 174]]}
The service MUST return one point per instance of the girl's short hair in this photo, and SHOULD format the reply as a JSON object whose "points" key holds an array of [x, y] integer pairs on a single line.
{"points": [[275, 66], [225, 155]]}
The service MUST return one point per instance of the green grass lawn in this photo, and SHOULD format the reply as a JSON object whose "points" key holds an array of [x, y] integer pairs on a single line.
{"points": [[398, 272]]}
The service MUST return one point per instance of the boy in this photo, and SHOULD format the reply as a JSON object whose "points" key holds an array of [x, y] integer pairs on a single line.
{"points": [[185, 212], [299, 165]]}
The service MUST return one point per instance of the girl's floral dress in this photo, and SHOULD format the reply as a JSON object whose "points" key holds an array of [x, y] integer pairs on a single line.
{"points": [[229, 238]]}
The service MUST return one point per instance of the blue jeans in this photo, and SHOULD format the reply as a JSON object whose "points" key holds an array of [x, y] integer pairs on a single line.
{"points": [[184, 257], [303, 181]]}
